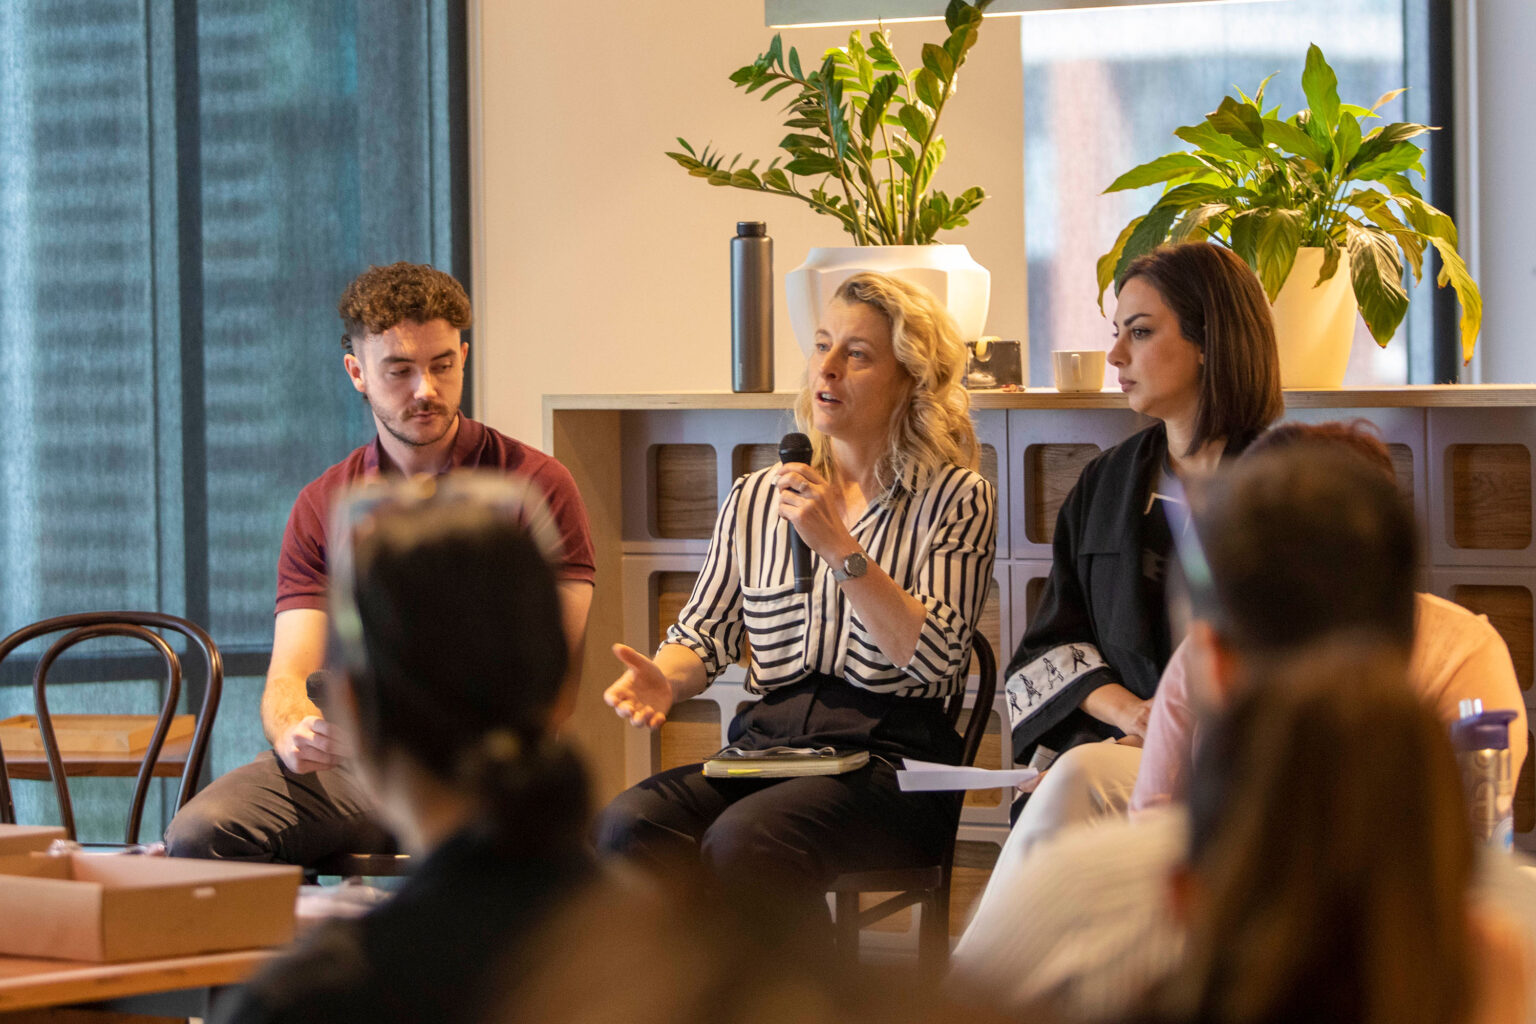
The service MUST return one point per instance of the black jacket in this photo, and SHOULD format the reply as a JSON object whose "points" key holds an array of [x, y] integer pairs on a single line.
{"points": [[1102, 617]]}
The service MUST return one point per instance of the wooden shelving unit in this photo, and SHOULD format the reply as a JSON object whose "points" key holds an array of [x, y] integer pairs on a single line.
{"points": [[654, 468]]}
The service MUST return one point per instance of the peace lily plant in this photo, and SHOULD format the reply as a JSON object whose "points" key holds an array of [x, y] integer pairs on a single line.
{"points": [[1267, 186], [863, 142]]}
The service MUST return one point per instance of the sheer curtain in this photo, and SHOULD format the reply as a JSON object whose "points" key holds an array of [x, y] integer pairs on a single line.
{"points": [[187, 186]]}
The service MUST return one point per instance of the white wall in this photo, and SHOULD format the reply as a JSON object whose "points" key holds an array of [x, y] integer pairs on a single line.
{"points": [[1504, 38], [600, 266]]}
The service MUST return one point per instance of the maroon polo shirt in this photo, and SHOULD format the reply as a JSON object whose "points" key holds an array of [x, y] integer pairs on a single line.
{"points": [[301, 567]]}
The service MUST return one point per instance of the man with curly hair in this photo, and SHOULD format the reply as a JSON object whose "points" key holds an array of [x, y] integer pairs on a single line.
{"points": [[404, 353]]}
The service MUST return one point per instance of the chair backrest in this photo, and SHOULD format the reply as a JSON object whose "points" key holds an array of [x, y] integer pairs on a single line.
{"points": [[139, 626], [981, 708]]}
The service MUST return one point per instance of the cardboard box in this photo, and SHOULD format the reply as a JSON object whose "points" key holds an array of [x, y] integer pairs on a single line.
{"points": [[119, 907], [89, 734], [16, 839]]}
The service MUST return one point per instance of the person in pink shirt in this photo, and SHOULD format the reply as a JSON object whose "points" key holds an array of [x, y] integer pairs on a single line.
{"points": [[1456, 655]]}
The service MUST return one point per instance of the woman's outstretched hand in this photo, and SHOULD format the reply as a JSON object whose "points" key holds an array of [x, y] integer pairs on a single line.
{"points": [[641, 696]]}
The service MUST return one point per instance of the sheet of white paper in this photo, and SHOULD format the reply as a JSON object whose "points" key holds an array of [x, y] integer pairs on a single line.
{"points": [[925, 776]]}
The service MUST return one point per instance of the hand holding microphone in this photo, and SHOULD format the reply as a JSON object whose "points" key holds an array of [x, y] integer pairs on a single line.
{"points": [[796, 447]]}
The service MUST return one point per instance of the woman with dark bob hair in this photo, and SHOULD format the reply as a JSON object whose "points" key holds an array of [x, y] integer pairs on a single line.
{"points": [[452, 663], [1195, 349], [903, 532]]}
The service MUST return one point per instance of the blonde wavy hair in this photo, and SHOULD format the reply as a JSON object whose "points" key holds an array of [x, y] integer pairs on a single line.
{"points": [[932, 428]]}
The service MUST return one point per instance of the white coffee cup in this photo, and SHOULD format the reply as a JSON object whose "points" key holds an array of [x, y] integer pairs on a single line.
{"points": [[1079, 369]]}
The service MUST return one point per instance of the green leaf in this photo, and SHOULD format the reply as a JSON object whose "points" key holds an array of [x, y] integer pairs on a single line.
{"points": [[1279, 235], [1426, 219], [1107, 263], [794, 63], [879, 99], [1292, 139], [914, 121], [1399, 185], [776, 179], [881, 54], [959, 44], [684, 143], [1149, 234], [1379, 211], [1404, 156], [775, 54], [938, 60], [1376, 267], [798, 142], [1243, 230], [771, 93], [1314, 127], [1384, 138], [926, 84], [1453, 271], [1165, 168], [1346, 141], [1322, 88], [1192, 194], [1205, 137], [811, 165], [1192, 224], [1241, 121]]}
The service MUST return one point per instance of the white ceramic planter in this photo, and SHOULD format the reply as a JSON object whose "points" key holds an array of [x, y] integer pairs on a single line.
{"points": [[962, 284], [1314, 324]]}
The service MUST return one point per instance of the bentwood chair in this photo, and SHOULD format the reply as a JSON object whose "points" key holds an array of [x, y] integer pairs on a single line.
{"points": [[923, 885], [138, 626]]}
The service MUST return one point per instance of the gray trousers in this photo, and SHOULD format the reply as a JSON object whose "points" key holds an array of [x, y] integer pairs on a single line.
{"points": [[264, 812]]}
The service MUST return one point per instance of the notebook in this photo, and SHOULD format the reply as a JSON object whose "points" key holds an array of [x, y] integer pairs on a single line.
{"points": [[783, 762]]}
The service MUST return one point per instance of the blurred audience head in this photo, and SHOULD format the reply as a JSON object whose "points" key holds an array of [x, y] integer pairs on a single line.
{"points": [[1223, 311], [1329, 858], [932, 427], [1303, 539], [382, 297], [679, 952], [449, 633]]}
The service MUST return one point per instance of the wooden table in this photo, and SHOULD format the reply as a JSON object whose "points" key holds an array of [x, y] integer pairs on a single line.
{"points": [[34, 764], [172, 986]]}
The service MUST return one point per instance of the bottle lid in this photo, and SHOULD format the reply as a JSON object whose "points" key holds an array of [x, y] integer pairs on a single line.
{"points": [[751, 229], [1486, 731]]}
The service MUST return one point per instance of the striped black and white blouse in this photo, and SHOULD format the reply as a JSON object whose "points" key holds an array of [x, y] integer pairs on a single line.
{"points": [[937, 543]]}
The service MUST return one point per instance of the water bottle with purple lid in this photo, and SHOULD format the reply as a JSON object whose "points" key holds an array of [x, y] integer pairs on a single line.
{"points": [[1481, 739]]}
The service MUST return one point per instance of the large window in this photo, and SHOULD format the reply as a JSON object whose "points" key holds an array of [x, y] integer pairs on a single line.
{"points": [[1104, 90], [186, 186]]}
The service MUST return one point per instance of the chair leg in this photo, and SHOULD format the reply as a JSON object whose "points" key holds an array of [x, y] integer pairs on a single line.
{"points": [[933, 933], [846, 927]]}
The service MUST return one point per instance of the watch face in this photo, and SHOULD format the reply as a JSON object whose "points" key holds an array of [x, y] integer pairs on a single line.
{"points": [[855, 565]]}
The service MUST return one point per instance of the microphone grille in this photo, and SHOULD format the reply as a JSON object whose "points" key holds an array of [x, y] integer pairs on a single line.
{"points": [[795, 447]]}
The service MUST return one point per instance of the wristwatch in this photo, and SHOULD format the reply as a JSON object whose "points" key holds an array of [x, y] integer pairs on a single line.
{"points": [[854, 566]]}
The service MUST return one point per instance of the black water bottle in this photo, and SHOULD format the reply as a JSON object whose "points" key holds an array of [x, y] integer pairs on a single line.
{"points": [[751, 307]]}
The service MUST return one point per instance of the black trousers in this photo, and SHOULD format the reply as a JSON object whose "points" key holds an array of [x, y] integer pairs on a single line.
{"points": [[795, 835]]}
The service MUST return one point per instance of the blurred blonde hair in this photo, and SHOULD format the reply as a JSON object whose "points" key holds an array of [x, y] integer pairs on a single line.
{"points": [[932, 428]]}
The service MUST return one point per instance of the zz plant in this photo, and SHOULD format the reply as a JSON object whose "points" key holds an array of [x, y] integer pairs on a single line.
{"points": [[1266, 186], [863, 142]]}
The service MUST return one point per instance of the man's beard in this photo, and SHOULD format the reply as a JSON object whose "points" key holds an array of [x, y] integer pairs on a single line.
{"points": [[397, 430]]}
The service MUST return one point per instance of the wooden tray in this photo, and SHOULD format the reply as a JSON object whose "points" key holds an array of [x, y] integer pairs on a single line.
{"points": [[89, 734]]}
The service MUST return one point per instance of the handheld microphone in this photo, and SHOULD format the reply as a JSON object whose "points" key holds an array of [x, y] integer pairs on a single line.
{"points": [[796, 447]]}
